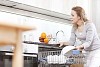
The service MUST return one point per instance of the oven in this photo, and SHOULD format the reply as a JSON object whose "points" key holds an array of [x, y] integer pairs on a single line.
{"points": [[30, 59]]}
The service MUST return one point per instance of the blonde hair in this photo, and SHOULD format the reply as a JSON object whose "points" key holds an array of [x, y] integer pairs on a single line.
{"points": [[81, 13]]}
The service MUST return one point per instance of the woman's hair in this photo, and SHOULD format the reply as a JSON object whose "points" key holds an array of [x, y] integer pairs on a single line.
{"points": [[81, 13]]}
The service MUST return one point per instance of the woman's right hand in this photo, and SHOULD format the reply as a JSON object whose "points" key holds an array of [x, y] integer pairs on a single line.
{"points": [[63, 44], [80, 47]]}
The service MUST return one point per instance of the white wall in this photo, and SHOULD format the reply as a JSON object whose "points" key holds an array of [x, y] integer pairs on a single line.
{"points": [[96, 14], [33, 35], [42, 26], [49, 28]]}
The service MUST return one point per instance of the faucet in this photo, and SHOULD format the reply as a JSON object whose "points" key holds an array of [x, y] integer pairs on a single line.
{"points": [[57, 35]]}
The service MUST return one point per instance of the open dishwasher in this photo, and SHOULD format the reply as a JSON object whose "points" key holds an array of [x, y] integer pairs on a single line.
{"points": [[52, 57], [49, 55]]}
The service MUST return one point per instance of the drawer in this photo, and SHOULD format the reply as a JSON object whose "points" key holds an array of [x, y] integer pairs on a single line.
{"points": [[77, 65]]}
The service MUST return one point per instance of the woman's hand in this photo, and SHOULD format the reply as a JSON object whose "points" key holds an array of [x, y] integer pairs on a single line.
{"points": [[79, 47], [63, 43]]}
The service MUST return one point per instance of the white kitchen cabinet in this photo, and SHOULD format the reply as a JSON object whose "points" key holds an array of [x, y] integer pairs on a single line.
{"points": [[61, 6]]}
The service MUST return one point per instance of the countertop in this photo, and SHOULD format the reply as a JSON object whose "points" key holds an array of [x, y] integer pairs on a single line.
{"points": [[45, 46]]}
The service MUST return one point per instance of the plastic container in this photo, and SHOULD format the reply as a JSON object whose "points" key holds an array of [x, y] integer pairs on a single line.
{"points": [[75, 52]]}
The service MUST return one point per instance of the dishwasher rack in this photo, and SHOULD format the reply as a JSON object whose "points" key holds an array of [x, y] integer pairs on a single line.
{"points": [[69, 59]]}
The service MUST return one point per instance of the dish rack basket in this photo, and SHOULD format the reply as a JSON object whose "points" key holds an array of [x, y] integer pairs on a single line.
{"points": [[70, 59]]}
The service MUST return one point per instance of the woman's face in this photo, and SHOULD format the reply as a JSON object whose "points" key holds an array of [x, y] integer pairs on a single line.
{"points": [[75, 18]]}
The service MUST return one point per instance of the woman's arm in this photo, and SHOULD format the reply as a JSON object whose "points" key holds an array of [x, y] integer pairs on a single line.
{"points": [[72, 39], [89, 36]]}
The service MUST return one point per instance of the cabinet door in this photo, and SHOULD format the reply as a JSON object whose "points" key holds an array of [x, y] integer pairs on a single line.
{"points": [[77, 65], [1, 60]]}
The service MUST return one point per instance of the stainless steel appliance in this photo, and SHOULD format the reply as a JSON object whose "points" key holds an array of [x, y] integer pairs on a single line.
{"points": [[30, 59]]}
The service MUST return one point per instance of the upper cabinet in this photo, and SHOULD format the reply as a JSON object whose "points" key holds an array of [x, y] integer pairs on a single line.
{"points": [[61, 6], [53, 10], [30, 9]]}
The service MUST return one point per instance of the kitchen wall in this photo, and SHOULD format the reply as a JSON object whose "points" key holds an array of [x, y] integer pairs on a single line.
{"points": [[49, 27], [96, 14]]}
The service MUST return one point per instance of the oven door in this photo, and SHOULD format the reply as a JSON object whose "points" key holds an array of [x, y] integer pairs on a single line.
{"points": [[30, 60]]}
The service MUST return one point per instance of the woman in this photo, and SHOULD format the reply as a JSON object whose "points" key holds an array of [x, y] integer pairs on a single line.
{"points": [[85, 33]]}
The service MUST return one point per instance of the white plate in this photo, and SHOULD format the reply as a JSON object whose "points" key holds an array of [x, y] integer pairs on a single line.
{"points": [[67, 49]]}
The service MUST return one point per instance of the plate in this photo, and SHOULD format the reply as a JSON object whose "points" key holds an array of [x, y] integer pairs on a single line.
{"points": [[67, 49]]}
